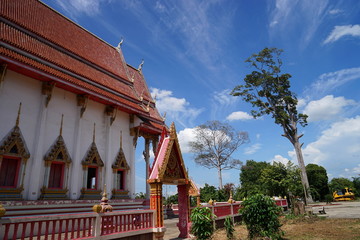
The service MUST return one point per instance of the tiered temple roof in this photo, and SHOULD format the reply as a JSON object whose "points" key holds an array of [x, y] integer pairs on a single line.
{"points": [[49, 47]]}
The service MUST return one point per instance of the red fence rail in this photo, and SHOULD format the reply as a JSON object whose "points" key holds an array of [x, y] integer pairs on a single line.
{"points": [[77, 226]]}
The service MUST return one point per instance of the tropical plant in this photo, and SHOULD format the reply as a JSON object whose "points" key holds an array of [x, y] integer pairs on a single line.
{"points": [[268, 90], [261, 217], [229, 227], [202, 222]]}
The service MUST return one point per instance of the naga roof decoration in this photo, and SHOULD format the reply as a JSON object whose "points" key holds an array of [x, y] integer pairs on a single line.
{"points": [[39, 42], [169, 166]]}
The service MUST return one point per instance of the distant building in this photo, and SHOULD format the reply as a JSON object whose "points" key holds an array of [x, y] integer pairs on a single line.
{"points": [[71, 109]]}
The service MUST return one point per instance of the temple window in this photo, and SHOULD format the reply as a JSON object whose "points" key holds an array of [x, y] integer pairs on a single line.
{"points": [[120, 180], [57, 162], [91, 178], [9, 172], [13, 158], [120, 170], [56, 177], [92, 168]]}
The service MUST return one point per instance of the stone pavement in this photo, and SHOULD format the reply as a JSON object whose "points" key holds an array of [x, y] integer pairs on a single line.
{"points": [[339, 209], [172, 231]]}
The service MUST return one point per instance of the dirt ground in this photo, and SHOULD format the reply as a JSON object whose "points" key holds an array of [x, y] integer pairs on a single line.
{"points": [[314, 229], [341, 221]]}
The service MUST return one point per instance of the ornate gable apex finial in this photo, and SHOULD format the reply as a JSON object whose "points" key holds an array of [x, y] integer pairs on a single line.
{"points": [[94, 133], [61, 124], [141, 65], [172, 131], [120, 43], [18, 116]]}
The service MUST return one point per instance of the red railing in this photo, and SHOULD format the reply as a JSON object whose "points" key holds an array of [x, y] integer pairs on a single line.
{"points": [[76, 226]]}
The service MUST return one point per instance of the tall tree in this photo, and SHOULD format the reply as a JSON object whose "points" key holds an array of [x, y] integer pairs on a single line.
{"points": [[269, 92], [214, 144], [318, 181]]}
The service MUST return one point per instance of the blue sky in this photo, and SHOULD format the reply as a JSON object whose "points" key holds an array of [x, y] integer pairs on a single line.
{"points": [[194, 53]]}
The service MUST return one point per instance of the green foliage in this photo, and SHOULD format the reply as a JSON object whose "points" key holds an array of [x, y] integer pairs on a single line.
{"points": [[318, 181], [356, 183], [210, 192], [328, 198], [172, 199], [250, 179], [140, 195], [202, 222], [214, 144], [261, 216], [340, 183], [229, 227]]}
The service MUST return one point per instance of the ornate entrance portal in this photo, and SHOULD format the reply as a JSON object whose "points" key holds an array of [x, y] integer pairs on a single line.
{"points": [[169, 168]]}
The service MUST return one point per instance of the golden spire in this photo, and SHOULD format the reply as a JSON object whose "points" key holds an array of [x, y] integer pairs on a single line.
{"points": [[18, 115], [61, 124], [94, 133], [120, 139]]}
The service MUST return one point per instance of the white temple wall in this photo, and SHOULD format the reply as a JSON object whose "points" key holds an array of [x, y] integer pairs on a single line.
{"points": [[77, 132]]}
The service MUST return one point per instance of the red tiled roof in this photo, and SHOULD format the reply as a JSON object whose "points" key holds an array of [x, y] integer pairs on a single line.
{"points": [[34, 35]]}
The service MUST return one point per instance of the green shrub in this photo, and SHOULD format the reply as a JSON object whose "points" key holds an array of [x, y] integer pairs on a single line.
{"points": [[261, 217], [229, 227], [202, 222], [328, 198]]}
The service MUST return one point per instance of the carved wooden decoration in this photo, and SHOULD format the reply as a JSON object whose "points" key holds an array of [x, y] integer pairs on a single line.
{"points": [[92, 157], [120, 161], [58, 152]]}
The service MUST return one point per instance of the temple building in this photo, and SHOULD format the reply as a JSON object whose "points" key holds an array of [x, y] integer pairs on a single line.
{"points": [[72, 109]]}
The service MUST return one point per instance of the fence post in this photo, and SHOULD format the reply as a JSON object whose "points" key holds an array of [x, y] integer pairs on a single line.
{"points": [[97, 225]]}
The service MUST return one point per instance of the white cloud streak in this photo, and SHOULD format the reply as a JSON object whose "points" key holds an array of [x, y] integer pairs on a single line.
{"points": [[342, 31], [328, 82], [252, 149]]}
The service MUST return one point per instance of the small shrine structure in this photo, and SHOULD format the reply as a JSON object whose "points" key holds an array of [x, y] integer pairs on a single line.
{"points": [[169, 168]]}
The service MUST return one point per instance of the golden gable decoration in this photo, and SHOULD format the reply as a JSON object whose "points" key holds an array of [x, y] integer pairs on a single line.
{"points": [[58, 152], [13, 144], [92, 157], [120, 161]]}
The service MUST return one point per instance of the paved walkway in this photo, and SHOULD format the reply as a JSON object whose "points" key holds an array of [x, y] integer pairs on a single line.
{"points": [[172, 231], [339, 209]]}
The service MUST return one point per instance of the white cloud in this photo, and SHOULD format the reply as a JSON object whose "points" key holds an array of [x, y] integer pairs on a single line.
{"points": [[224, 97], [252, 149], [335, 11], [74, 7], [332, 80], [337, 149], [185, 136], [239, 116], [280, 159], [341, 31], [327, 108], [176, 108]]}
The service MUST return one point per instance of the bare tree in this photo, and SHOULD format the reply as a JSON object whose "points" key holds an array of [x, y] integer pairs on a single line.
{"points": [[214, 144]]}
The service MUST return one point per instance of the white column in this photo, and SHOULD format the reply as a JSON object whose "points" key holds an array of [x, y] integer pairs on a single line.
{"points": [[33, 178], [77, 173], [108, 158]]}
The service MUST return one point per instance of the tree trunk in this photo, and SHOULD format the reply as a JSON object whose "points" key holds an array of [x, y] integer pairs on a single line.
{"points": [[304, 179], [220, 178]]}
